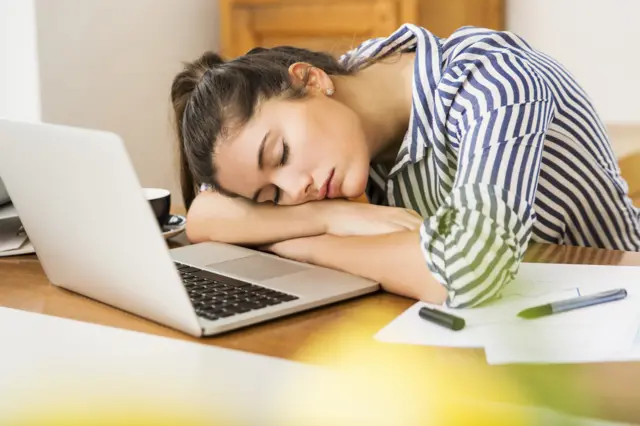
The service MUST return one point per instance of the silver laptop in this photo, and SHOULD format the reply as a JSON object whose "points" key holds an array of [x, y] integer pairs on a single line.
{"points": [[83, 207]]}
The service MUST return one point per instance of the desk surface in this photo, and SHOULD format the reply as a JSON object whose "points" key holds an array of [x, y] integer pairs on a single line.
{"points": [[329, 335]]}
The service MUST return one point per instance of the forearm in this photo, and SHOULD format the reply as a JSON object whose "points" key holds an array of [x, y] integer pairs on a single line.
{"points": [[394, 260], [214, 217]]}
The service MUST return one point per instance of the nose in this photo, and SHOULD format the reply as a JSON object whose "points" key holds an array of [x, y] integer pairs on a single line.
{"points": [[296, 186]]}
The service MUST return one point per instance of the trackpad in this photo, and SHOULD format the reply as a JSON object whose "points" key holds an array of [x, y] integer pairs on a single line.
{"points": [[257, 267]]}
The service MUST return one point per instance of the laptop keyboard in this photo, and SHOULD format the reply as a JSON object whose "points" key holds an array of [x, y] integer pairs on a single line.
{"points": [[215, 296]]}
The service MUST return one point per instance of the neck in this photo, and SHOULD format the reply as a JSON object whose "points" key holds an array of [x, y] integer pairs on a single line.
{"points": [[381, 96]]}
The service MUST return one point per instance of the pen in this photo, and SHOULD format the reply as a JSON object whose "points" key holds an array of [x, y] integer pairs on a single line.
{"points": [[573, 303], [443, 319]]}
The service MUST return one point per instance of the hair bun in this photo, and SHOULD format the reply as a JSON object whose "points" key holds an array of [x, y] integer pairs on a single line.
{"points": [[211, 59]]}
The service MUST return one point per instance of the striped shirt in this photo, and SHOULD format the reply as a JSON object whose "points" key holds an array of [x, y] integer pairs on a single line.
{"points": [[503, 147]]}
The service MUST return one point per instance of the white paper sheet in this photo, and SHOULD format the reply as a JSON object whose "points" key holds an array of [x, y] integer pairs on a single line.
{"points": [[7, 211], [593, 334], [481, 323], [12, 242], [25, 248], [563, 346]]}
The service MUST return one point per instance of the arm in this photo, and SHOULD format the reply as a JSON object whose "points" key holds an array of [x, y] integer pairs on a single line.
{"points": [[394, 260], [215, 217], [475, 242]]}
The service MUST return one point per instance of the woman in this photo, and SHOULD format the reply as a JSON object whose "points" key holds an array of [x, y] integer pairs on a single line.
{"points": [[489, 140]]}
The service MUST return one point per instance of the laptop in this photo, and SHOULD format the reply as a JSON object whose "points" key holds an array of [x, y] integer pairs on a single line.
{"points": [[94, 232]]}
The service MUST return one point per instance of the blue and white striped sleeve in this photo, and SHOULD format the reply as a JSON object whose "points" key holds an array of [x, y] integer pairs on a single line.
{"points": [[499, 116]]}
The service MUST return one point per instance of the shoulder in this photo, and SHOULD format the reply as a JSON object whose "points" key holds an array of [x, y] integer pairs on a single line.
{"points": [[403, 39], [470, 42], [465, 41]]}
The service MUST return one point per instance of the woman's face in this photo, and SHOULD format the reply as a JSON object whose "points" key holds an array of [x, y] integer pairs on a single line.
{"points": [[294, 151]]}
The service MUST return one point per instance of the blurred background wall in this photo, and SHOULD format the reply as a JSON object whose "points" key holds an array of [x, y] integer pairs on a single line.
{"points": [[108, 64], [597, 41], [19, 79]]}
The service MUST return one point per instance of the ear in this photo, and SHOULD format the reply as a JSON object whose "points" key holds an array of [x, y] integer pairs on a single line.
{"points": [[313, 78]]}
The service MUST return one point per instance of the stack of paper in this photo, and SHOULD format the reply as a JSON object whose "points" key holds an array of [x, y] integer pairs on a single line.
{"points": [[13, 239], [606, 332]]}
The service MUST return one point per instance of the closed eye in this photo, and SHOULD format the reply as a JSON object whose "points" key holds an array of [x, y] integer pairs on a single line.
{"points": [[283, 162], [285, 153]]}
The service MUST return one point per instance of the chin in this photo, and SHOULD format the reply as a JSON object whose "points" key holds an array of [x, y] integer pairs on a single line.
{"points": [[355, 184]]}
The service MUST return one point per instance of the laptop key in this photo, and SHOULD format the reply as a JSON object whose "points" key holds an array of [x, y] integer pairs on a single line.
{"points": [[221, 313], [207, 274], [288, 297], [210, 316], [241, 309], [256, 305]]}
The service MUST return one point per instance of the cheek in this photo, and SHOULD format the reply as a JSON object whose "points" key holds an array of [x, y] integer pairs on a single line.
{"points": [[323, 131], [345, 131], [314, 120]]}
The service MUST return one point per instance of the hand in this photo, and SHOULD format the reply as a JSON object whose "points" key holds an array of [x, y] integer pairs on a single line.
{"points": [[346, 218]]}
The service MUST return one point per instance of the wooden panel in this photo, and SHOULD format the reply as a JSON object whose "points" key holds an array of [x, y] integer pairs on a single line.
{"points": [[227, 43], [328, 25], [409, 11], [243, 36], [444, 17], [385, 18], [287, 3], [319, 19], [335, 45], [338, 25], [630, 171]]}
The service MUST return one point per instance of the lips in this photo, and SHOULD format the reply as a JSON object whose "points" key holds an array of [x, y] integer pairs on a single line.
{"points": [[326, 187]]}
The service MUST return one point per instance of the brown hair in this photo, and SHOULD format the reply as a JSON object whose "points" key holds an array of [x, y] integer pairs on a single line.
{"points": [[210, 94]]}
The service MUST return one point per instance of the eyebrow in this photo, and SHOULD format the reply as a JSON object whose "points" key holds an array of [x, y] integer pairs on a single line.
{"points": [[261, 151], [260, 162]]}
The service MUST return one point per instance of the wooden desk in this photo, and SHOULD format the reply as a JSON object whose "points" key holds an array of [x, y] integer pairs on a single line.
{"points": [[331, 335]]}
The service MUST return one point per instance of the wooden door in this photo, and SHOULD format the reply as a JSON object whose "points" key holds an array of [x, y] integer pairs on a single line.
{"points": [[327, 25]]}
